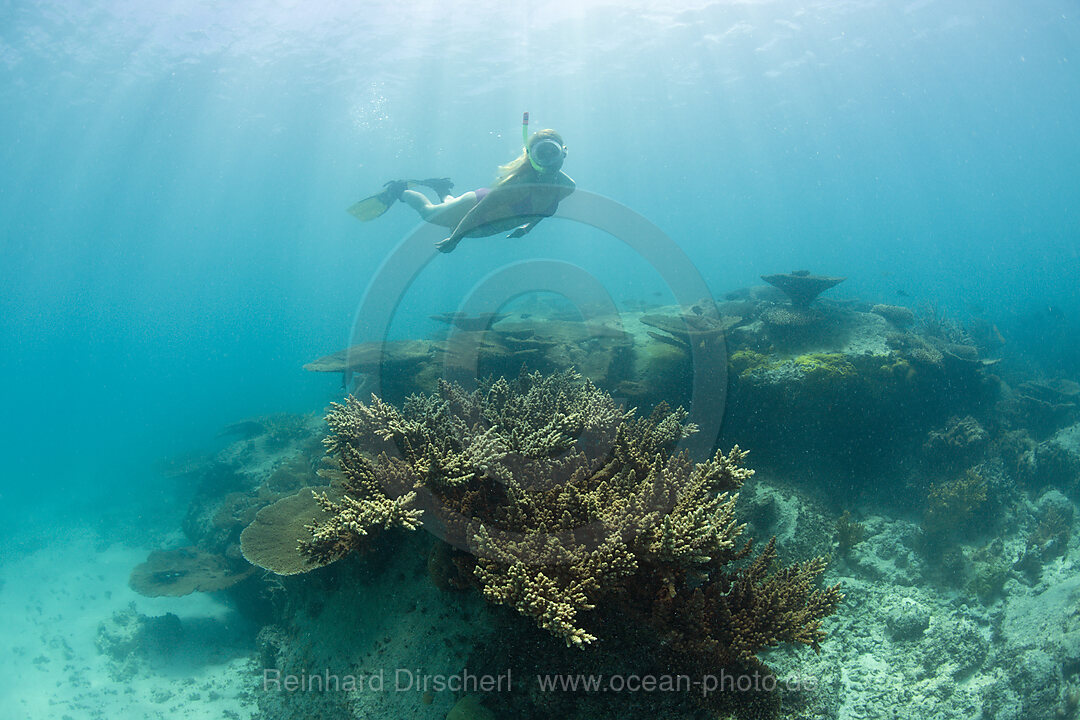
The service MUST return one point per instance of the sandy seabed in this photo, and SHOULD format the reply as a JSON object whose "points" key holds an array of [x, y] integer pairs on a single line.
{"points": [[58, 611]]}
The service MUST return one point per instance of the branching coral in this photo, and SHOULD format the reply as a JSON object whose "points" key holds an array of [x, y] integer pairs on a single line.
{"points": [[849, 533], [364, 506], [953, 505], [765, 607], [573, 510]]}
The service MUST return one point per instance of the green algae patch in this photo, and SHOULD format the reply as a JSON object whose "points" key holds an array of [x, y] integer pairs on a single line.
{"points": [[744, 362], [825, 365]]}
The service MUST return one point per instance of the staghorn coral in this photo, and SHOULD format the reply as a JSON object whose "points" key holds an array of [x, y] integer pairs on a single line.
{"points": [[741, 609], [574, 512], [765, 606]]}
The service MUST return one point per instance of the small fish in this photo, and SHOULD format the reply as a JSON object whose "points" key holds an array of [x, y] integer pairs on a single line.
{"points": [[902, 293]]}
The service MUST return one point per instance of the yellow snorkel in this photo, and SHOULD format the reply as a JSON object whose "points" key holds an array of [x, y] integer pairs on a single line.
{"points": [[525, 140]]}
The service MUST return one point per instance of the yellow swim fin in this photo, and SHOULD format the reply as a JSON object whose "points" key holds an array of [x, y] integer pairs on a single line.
{"points": [[369, 208], [372, 207]]}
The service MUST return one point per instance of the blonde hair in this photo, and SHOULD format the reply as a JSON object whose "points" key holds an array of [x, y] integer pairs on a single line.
{"points": [[521, 165]]}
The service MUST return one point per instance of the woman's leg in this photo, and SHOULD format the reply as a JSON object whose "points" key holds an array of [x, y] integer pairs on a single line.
{"points": [[448, 213]]}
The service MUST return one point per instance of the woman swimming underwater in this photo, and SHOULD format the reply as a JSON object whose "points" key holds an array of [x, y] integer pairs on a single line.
{"points": [[527, 190]]}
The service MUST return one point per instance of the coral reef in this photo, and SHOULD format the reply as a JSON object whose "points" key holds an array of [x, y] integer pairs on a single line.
{"points": [[836, 379], [573, 512], [743, 362], [959, 581], [245, 477], [569, 551], [291, 475]]}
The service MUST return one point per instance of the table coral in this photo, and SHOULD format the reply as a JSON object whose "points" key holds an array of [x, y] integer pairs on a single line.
{"points": [[802, 287], [184, 571]]}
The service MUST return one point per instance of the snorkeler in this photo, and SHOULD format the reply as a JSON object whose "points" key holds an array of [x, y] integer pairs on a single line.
{"points": [[527, 190]]}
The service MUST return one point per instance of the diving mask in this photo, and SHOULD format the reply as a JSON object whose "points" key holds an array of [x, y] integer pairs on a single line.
{"points": [[546, 155]]}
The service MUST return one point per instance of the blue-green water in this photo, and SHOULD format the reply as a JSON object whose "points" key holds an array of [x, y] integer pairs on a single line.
{"points": [[174, 178]]}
